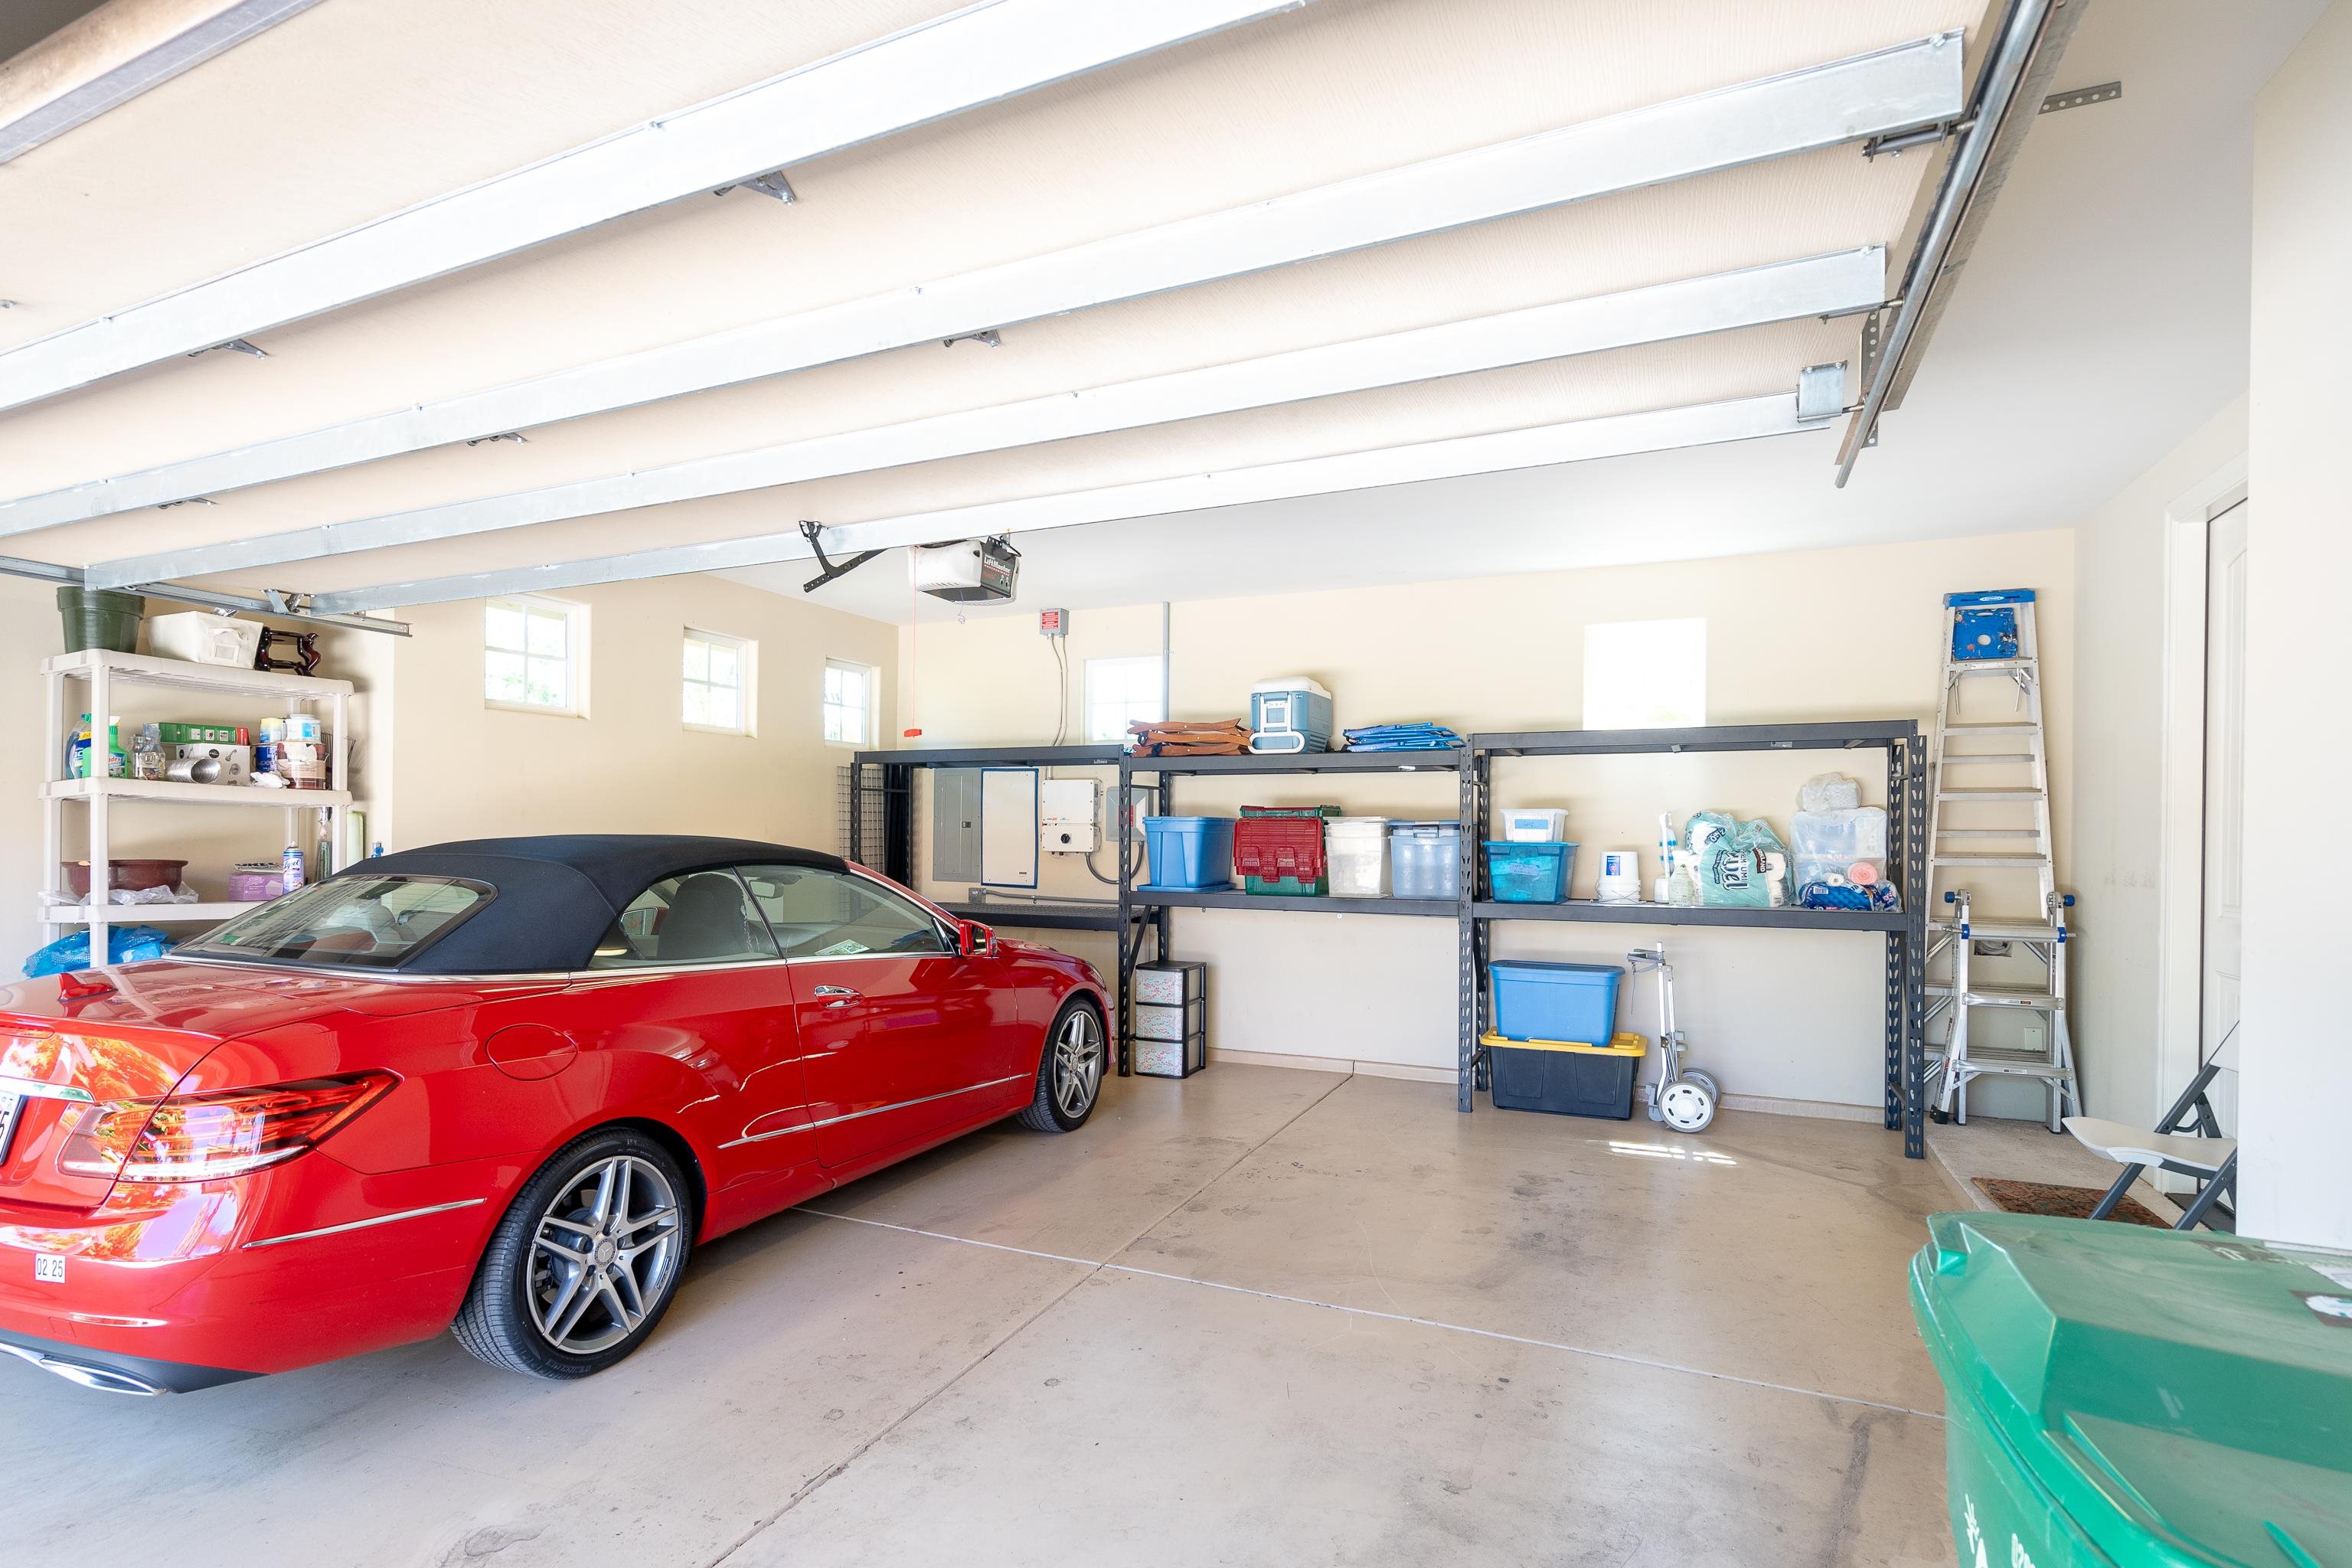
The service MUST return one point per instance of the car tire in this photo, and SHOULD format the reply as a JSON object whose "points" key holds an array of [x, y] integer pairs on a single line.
{"points": [[587, 1259], [1067, 1088]]}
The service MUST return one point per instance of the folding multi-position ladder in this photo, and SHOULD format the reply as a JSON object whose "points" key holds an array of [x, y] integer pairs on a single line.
{"points": [[1989, 765]]}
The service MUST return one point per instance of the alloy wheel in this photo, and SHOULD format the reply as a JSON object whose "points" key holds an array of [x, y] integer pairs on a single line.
{"points": [[1077, 1063], [605, 1254]]}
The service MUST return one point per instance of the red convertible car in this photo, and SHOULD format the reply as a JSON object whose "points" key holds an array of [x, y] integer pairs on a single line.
{"points": [[501, 1088]]}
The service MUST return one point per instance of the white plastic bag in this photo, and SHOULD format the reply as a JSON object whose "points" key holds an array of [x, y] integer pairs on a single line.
{"points": [[1829, 792]]}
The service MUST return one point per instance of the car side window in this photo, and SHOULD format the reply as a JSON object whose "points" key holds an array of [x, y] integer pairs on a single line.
{"points": [[702, 917], [817, 914]]}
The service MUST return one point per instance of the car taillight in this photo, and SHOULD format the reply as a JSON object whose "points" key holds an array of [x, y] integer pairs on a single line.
{"points": [[204, 1137]]}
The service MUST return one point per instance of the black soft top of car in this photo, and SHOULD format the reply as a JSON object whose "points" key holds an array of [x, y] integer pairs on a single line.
{"points": [[555, 897]]}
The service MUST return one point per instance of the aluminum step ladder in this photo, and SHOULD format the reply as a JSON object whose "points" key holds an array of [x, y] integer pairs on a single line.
{"points": [[1988, 767]]}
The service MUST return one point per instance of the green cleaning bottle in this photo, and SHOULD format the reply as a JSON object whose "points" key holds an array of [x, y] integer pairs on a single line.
{"points": [[118, 761]]}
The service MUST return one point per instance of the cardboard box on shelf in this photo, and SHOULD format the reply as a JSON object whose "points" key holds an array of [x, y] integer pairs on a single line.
{"points": [[181, 734]]}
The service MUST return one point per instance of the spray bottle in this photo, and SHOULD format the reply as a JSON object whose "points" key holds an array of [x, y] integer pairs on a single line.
{"points": [[1682, 884]]}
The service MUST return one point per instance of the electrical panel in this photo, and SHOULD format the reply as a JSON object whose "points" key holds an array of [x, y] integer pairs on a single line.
{"points": [[1067, 813], [955, 825], [1054, 623]]}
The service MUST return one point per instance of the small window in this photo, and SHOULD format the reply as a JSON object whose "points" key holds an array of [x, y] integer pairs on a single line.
{"points": [[1645, 674], [848, 703], [702, 917], [354, 921], [1120, 692], [534, 655], [830, 914], [718, 689]]}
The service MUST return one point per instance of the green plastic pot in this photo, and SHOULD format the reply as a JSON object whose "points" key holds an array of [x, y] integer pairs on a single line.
{"points": [[100, 617]]}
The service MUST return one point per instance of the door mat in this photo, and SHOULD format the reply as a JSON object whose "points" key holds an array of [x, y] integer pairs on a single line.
{"points": [[2065, 1203]]}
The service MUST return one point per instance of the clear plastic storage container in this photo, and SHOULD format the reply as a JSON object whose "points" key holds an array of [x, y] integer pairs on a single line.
{"points": [[1533, 825], [1358, 847], [1426, 859]]}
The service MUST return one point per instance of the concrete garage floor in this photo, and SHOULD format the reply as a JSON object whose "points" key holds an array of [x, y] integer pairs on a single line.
{"points": [[1265, 1316]]}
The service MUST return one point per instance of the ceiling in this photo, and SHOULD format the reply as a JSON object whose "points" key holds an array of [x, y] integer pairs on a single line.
{"points": [[2101, 317], [24, 22]]}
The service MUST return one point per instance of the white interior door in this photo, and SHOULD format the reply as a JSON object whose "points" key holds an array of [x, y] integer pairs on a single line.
{"points": [[2225, 777]]}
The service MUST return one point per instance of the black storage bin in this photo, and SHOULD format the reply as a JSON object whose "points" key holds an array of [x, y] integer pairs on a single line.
{"points": [[1567, 1081]]}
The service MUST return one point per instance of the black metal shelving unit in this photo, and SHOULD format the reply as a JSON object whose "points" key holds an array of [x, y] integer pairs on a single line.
{"points": [[1140, 910], [1904, 931], [897, 770], [1152, 907]]}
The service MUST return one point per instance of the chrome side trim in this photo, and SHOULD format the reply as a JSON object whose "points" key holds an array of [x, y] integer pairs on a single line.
{"points": [[361, 1224], [35, 1088], [541, 977], [389, 976], [877, 1111]]}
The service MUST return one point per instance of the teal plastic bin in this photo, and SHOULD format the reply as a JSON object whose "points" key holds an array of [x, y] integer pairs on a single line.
{"points": [[1529, 873], [2122, 1397]]}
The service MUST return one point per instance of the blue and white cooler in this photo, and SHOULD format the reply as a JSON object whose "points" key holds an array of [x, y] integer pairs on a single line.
{"points": [[1290, 715]]}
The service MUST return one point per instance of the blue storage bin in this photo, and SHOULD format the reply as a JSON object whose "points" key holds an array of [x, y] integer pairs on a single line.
{"points": [[1529, 873], [1572, 1002], [1191, 853]]}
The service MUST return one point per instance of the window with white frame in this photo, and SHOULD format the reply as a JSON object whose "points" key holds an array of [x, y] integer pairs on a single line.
{"points": [[535, 655], [718, 682], [848, 703], [1645, 674], [1121, 691]]}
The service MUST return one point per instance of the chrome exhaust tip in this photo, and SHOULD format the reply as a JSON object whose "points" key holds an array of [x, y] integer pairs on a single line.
{"points": [[105, 1379]]}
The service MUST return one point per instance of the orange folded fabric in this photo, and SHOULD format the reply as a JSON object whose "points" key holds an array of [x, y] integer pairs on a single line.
{"points": [[1224, 738]]}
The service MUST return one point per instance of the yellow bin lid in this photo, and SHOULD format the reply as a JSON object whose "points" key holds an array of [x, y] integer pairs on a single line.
{"points": [[1622, 1044]]}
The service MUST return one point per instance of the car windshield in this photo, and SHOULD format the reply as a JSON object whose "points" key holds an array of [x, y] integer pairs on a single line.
{"points": [[352, 921]]}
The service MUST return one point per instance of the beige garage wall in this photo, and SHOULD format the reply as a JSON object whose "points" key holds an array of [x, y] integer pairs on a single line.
{"points": [[465, 769], [1837, 633], [2120, 686], [432, 762], [2297, 1082]]}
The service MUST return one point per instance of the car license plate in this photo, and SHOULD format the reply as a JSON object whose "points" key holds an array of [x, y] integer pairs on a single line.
{"points": [[9, 1106], [49, 1267]]}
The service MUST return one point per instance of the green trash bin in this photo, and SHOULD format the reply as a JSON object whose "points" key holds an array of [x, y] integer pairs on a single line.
{"points": [[2120, 1396]]}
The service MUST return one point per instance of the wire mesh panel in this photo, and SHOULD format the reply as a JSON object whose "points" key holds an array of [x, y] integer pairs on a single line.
{"points": [[860, 823]]}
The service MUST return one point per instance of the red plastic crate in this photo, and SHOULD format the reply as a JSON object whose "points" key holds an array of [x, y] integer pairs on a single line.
{"points": [[1281, 856]]}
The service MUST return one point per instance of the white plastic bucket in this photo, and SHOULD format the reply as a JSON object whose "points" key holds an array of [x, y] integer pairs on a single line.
{"points": [[1621, 877]]}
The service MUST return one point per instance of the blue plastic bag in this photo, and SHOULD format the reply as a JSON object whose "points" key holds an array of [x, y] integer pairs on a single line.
{"points": [[124, 944]]}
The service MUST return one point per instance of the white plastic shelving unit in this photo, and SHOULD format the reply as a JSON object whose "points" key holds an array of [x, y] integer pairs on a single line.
{"points": [[98, 672]]}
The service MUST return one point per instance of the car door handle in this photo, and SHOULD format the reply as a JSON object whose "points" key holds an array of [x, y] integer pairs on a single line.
{"points": [[842, 995]]}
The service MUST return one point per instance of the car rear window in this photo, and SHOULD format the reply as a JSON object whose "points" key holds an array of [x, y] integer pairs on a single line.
{"points": [[349, 922]]}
